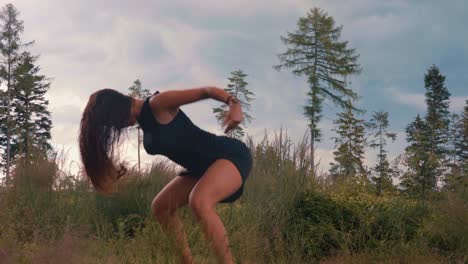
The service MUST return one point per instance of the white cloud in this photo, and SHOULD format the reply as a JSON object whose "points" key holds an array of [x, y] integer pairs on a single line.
{"points": [[323, 157], [415, 100], [457, 103], [418, 101], [378, 28]]}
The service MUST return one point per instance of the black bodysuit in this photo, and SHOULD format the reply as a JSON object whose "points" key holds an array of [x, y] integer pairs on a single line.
{"points": [[192, 147]]}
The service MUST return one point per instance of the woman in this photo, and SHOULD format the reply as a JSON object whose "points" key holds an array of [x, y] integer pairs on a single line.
{"points": [[216, 167]]}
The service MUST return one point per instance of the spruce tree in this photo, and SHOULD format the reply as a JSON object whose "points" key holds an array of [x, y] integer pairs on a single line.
{"points": [[383, 173], [30, 108], [238, 87], [315, 51], [136, 90], [349, 146], [420, 178], [461, 141], [10, 44], [438, 115], [456, 179]]}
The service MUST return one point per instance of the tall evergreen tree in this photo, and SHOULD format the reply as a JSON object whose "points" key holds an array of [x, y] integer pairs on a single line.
{"points": [[315, 51], [420, 178], [379, 123], [33, 123], [461, 147], [349, 146], [461, 141], [136, 90], [238, 87], [10, 43], [456, 179], [453, 132], [438, 115]]}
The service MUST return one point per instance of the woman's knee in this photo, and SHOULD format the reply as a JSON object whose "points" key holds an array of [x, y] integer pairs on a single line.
{"points": [[199, 204], [172, 196], [160, 210]]}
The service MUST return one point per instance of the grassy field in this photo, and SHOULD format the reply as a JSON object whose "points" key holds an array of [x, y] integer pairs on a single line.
{"points": [[286, 215]]}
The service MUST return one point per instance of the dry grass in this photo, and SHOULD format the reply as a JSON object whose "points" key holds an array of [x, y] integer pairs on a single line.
{"points": [[53, 216]]}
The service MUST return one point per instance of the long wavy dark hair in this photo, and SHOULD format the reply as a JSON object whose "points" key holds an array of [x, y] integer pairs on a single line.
{"points": [[104, 118]]}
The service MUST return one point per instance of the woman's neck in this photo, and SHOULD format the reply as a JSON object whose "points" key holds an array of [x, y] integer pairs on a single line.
{"points": [[137, 107]]}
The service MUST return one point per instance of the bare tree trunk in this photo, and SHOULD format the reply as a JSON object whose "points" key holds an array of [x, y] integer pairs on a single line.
{"points": [[139, 166], [312, 161], [314, 85], [7, 178]]}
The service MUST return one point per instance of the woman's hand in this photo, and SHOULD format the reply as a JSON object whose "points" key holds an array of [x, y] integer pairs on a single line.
{"points": [[233, 117]]}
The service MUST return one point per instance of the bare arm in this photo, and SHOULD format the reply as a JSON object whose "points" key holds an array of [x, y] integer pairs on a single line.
{"points": [[218, 94], [173, 99]]}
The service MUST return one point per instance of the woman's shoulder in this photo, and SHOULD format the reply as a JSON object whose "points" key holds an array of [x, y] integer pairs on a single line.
{"points": [[162, 115]]}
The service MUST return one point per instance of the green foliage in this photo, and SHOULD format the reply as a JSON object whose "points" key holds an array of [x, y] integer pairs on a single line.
{"points": [[437, 117], [24, 119], [284, 216], [461, 144], [325, 223], [383, 174], [457, 179], [136, 90], [447, 228], [10, 43], [315, 51], [421, 177], [237, 86], [460, 140], [317, 223], [33, 121], [349, 146]]}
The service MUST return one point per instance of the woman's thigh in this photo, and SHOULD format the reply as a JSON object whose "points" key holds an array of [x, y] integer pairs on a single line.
{"points": [[219, 181], [174, 195]]}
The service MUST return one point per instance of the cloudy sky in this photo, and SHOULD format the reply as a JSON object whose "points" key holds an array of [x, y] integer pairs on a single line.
{"points": [[89, 45]]}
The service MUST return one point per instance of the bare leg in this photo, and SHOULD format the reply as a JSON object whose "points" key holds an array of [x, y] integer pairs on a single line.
{"points": [[173, 196], [220, 180]]}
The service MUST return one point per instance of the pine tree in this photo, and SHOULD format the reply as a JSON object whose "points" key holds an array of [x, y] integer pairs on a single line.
{"points": [[314, 51], [437, 117], [379, 122], [421, 177], [137, 91], [349, 145], [10, 44], [236, 86], [456, 179], [33, 123], [461, 141], [453, 132]]}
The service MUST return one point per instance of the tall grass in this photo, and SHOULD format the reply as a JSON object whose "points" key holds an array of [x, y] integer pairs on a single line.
{"points": [[287, 214]]}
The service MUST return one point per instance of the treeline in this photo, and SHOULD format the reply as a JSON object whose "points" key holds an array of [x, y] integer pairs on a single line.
{"points": [[25, 121], [435, 158], [436, 155], [438, 142]]}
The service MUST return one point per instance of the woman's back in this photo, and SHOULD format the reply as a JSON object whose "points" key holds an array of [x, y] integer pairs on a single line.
{"points": [[180, 140]]}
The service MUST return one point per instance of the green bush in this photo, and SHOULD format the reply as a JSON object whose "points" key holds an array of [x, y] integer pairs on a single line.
{"points": [[319, 224], [447, 228], [324, 224]]}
